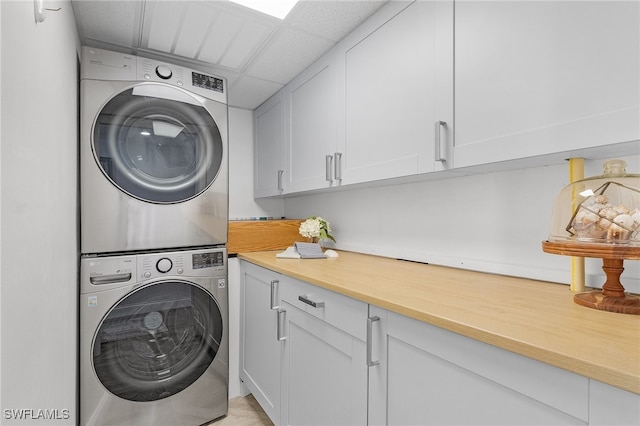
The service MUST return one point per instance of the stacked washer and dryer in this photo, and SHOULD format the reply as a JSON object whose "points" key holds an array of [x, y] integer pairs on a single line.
{"points": [[154, 210]]}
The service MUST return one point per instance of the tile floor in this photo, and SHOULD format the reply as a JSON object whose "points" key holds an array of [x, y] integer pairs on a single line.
{"points": [[243, 411]]}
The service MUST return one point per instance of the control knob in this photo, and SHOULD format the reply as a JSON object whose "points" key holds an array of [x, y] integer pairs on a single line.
{"points": [[164, 265], [164, 72]]}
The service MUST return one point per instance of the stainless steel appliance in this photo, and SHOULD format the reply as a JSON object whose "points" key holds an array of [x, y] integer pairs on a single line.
{"points": [[153, 155], [154, 338]]}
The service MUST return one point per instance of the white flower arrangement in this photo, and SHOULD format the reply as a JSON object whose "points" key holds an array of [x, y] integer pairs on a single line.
{"points": [[316, 228]]}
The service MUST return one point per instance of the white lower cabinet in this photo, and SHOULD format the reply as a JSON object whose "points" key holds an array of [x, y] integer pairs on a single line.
{"points": [[304, 360], [311, 356], [430, 376], [260, 349], [325, 374], [611, 406]]}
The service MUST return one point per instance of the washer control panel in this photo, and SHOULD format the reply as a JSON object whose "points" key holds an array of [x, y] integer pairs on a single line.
{"points": [[191, 263]]}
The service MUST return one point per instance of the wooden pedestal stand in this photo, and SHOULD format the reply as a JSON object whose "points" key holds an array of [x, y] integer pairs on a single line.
{"points": [[612, 297]]}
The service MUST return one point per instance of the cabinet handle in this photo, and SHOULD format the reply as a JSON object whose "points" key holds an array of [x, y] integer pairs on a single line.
{"points": [[274, 288], [370, 322], [311, 302], [440, 156], [328, 160], [280, 172], [338, 166], [280, 326]]}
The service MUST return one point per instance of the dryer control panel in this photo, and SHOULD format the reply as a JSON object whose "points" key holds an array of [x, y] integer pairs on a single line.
{"points": [[207, 85], [99, 64]]}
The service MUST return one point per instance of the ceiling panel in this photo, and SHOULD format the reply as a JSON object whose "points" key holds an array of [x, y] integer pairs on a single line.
{"points": [[197, 23], [332, 19], [223, 30], [288, 54], [162, 20], [251, 91], [121, 28], [257, 53], [247, 40]]}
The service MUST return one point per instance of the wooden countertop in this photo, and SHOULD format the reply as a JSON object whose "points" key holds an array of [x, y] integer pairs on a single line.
{"points": [[532, 318]]}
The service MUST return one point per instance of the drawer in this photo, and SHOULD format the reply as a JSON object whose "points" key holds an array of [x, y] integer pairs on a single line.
{"points": [[343, 312]]}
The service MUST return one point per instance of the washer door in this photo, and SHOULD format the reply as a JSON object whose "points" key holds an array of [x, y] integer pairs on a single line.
{"points": [[157, 341], [157, 143]]}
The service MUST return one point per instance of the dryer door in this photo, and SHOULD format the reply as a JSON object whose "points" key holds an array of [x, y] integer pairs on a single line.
{"points": [[157, 143], [157, 341]]}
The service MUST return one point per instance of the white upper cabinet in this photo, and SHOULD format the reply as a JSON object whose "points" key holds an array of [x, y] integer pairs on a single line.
{"points": [[534, 81], [313, 127], [269, 144], [537, 77], [397, 93]]}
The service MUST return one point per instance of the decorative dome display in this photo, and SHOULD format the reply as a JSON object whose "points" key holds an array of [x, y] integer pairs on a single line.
{"points": [[602, 209]]}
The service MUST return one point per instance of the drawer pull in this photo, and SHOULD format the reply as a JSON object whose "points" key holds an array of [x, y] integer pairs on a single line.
{"points": [[370, 321], [311, 302]]}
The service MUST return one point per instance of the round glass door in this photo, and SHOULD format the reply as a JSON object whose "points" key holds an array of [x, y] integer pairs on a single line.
{"points": [[157, 341], [157, 143]]}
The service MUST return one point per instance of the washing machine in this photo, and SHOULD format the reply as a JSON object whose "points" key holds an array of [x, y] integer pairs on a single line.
{"points": [[154, 338], [153, 155]]}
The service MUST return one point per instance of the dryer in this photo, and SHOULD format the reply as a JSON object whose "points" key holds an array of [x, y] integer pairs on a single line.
{"points": [[153, 155], [154, 338]]}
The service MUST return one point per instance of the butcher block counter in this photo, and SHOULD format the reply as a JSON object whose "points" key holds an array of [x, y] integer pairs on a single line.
{"points": [[533, 318]]}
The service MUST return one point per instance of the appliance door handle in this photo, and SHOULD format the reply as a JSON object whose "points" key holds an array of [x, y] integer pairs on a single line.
{"points": [[280, 172], [439, 155], [310, 302], [274, 297], [338, 166], [110, 279], [328, 160], [280, 325], [370, 321]]}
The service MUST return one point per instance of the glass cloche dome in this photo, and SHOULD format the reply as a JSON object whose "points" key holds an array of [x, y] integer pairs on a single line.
{"points": [[601, 209]]}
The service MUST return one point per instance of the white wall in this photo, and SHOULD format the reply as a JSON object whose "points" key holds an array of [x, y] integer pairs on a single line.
{"points": [[39, 213], [492, 222]]}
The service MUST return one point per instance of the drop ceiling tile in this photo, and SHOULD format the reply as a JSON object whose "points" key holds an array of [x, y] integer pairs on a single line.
{"points": [[231, 76], [223, 30], [163, 20], [250, 93], [194, 29], [288, 55], [332, 19], [247, 41], [114, 22]]}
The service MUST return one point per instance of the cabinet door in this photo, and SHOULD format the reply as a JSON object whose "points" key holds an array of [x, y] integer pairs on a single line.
{"points": [[269, 143], [260, 350], [324, 373], [541, 77], [612, 406], [313, 127], [398, 85], [426, 374]]}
